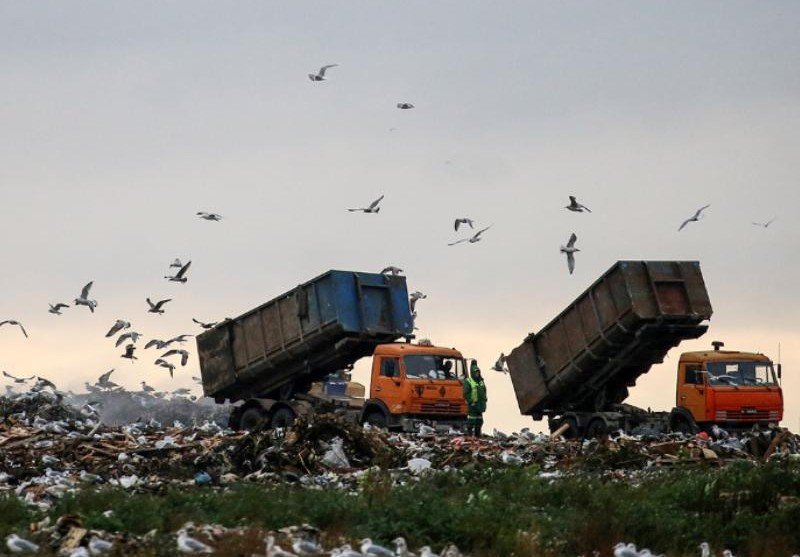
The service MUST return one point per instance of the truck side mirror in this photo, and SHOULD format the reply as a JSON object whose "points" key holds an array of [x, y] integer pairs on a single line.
{"points": [[780, 370]]}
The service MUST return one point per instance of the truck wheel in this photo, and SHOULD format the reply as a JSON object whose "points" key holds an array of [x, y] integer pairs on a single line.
{"points": [[573, 432], [375, 418], [596, 428], [283, 417], [682, 424], [252, 419]]}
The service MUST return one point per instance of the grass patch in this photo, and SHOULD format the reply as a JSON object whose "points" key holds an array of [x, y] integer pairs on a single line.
{"points": [[753, 510]]}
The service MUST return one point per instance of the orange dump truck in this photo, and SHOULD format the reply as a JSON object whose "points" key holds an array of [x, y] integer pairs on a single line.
{"points": [[292, 356], [577, 369]]}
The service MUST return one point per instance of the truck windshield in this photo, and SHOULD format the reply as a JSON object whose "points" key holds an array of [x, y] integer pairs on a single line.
{"points": [[431, 366], [741, 373]]}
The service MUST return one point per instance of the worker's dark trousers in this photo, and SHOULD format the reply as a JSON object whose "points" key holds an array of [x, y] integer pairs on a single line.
{"points": [[474, 424]]}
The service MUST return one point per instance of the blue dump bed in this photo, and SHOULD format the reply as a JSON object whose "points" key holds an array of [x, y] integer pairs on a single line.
{"points": [[319, 327]]}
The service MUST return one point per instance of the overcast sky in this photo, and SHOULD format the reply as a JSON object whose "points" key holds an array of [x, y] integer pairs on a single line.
{"points": [[121, 120]]}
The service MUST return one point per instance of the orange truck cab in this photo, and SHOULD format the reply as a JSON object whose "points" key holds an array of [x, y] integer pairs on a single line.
{"points": [[734, 390], [411, 383]]}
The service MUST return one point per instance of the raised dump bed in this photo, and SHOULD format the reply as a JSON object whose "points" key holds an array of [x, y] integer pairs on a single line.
{"points": [[586, 358], [322, 326]]}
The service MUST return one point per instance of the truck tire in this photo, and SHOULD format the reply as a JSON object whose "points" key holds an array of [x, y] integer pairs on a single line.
{"points": [[252, 419], [283, 417], [573, 432], [683, 424], [375, 418], [596, 428]]}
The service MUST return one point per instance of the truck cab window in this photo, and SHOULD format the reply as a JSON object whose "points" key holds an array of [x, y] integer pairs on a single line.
{"points": [[389, 367], [693, 375]]}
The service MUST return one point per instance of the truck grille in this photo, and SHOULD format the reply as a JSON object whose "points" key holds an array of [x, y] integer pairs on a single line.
{"points": [[441, 408], [747, 415]]}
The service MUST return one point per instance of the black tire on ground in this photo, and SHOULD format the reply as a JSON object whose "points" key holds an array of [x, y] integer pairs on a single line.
{"points": [[596, 428], [682, 424], [375, 418], [253, 418], [573, 432], [283, 417]]}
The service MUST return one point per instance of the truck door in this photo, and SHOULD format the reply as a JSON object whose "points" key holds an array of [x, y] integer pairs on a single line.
{"points": [[692, 391], [388, 385]]}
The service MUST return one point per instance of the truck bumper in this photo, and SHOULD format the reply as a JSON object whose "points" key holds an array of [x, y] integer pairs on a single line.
{"points": [[441, 424]]}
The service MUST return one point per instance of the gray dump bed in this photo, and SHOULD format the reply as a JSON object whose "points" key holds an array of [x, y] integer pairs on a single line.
{"points": [[586, 358]]}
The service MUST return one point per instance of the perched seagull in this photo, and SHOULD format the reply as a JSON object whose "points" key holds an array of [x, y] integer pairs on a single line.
{"points": [[694, 218], [99, 546], [83, 299], [56, 309], [500, 364], [373, 207], [414, 297], [205, 325], [209, 216], [18, 380], [17, 323], [464, 220], [570, 250], [727, 553], [391, 270], [166, 364], [425, 551], [129, 350], [345, 551], [404, 106], [42, 383], [625, 550], [320, 76], [180, 275], [474, 238], [156, 308], [274, 550], [187, 544], [705, 549], [181, 392], [117, 327], [401, 547], [304, 547], [183, 353], [765, 224], [133, 336], [576, 207], [369, 548], [177, 263], [196, 379], [15, 544], [147, 388]]}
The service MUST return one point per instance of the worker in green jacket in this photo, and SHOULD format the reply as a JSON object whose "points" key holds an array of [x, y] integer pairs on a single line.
{"points": [[475, 395]]}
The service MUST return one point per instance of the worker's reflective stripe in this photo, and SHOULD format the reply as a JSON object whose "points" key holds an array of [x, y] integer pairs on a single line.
{"points": [[473, 390]]}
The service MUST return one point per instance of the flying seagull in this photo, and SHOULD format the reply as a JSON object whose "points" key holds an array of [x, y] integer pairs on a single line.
{"points": [[118, 325], [404, 106], [157, 307], [205, 325], [414, 297], [18, 380], [474, 238], [179, 339], [373, 207], [500, 364], [158, 343], [17, 323], [320, 76], [83, 299], [129, 350], [209, 216], [576, 207], [164, 363], [570, 250], [461, 221], [180, 275], [391, 270], [177, 263], [765, 224], [183, 353], [55, 309], [133, 336], [103, 380], [694, 218]]}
